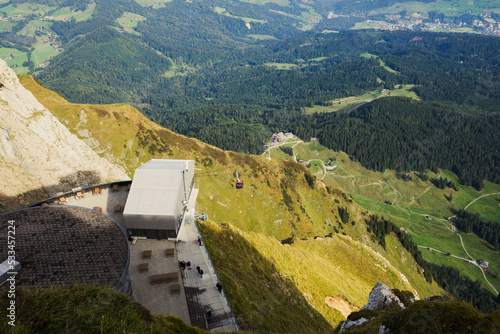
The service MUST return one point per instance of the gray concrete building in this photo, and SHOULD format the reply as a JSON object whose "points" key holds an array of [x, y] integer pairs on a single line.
{"points": [[158, 198]]}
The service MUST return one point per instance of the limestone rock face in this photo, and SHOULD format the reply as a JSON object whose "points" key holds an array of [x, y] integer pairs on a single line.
{"points": [[38, 155], [381, 296]]}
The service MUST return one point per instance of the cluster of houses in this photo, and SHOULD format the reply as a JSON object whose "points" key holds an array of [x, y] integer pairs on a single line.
{"points": [[280, 137]]}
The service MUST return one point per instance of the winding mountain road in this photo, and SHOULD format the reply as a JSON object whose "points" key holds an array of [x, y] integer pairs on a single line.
{"points": [[281, 144], [322, 164]]}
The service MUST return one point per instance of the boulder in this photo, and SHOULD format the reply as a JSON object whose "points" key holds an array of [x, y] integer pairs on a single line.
{"points": [[348, 324], [380, 297]]}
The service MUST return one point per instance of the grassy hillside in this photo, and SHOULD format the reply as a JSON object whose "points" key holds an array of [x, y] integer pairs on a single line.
{"points": [[80, 309], [279, 201], [333, 275], [407, 203]]}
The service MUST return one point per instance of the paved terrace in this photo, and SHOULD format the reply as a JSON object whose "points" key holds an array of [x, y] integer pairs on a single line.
{"points": [[197, 295]]}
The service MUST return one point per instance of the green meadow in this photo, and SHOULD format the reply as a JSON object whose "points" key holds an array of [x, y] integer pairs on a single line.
{"points": [[25, 9], [128, 21], [5, 26], [408, 203], [17, 62], [258, 37], [153, 3], [281, 66], [347, 103], [43, 51], [66, 13]]}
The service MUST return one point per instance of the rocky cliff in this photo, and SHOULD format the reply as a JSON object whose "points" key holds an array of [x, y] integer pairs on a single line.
{"points": [[38, 155]]}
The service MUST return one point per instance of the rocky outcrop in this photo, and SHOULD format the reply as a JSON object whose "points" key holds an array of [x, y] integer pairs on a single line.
{"points": [[38, 155], [348, 324], [380, 297]]}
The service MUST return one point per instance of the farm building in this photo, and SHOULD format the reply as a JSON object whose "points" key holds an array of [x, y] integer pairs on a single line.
{"points": [[158, 198], [483, 264]]}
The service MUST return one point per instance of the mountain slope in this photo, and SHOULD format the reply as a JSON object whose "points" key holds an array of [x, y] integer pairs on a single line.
{"points": [[277, 202], [39, 156]]}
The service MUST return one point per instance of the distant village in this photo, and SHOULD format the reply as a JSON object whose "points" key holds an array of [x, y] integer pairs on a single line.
{"points": [[486, 26]]}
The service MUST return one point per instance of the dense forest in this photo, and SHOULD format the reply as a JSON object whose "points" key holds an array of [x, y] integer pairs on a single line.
{"points": [[134, 67], [236, 104], [448, 278]]}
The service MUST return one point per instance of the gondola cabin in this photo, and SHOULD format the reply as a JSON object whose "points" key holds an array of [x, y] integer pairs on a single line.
{"points": [[239, 184]]}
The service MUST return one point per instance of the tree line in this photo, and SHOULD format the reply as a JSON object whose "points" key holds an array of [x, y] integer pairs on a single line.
{"points": [[472, 223]]}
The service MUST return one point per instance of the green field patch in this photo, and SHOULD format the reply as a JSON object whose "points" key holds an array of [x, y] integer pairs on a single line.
{"points": [[16, 62], [40, 24], [178, 69], [348, 103], [465, 30], [223, 11], [258, 37], [5, 26], [367, 25], [318, 59], [276, 153], [281, 66], [156, 4], [42, 53], [315, 167], [466, 269], [283, 3], [382, 64], [313, 150], [473, 245], [309, 19], [66, 13], [481, 250], [24, 9], [387, 67], [487, 207], [28, 30], [368, 55], [128, 21]]}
